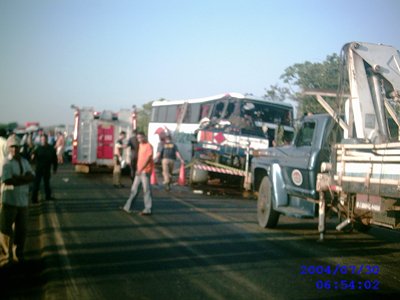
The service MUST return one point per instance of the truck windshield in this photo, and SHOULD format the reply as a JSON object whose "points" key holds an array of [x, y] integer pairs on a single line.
{"points": [[305, 135]]}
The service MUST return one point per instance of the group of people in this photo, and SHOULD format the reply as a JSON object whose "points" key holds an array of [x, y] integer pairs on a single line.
{"points": [[142, 166], [31, 140], [17, 179]]}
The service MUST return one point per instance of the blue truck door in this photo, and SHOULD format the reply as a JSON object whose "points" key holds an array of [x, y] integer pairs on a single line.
{"points": [[297, 164]]}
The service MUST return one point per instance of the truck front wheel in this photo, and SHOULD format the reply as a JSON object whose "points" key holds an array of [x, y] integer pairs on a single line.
{"points": [[266, 215]]}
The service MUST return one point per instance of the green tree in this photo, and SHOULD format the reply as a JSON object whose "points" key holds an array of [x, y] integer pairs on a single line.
{"points": [[306, 76], [277, 93], [144, 116], [9, 126]]}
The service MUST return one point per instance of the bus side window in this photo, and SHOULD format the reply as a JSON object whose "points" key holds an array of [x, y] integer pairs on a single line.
{"points": [[205, 111], [229, 110], [179, 111], [287, 137], [162, 114], [393, 130], [218, 110], [154, 114], [288, 118], [188, 113], [271, 137], [192, 115], [171, 113]]}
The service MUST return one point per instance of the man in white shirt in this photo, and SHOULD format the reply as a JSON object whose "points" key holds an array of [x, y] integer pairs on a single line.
{"points": [[16, 176]]}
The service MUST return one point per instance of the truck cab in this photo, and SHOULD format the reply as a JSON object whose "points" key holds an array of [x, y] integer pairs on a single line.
{"points": [[285, 177], [360, 174]]}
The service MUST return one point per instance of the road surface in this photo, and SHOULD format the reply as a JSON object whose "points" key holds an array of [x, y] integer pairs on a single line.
{"points": [[194, 246]]}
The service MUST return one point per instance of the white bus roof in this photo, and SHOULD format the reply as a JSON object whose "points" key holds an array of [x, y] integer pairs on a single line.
{"points": [[217, 97]]}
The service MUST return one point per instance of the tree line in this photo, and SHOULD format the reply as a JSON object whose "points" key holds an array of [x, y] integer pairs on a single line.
{"points": [[307, 76]]}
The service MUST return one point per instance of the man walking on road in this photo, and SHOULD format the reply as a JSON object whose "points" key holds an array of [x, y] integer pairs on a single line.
{"points": [[168, 153], [16, 176], [44, 156], [133, 144], [144, 168]]}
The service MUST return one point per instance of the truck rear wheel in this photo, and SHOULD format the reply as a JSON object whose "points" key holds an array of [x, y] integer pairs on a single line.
{"points": [[266, 215]]}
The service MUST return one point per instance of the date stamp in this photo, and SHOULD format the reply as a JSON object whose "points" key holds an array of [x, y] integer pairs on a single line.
{"points": [[339, 270], [337, 283]]}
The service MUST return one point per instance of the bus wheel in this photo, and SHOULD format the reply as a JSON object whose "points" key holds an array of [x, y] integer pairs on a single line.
{"points": [[266, 215]]}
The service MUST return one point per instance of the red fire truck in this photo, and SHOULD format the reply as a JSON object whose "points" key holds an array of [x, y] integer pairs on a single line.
{"points": [[95, 134]]}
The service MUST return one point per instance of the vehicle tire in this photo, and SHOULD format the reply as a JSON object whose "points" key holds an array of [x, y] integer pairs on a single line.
{"points": [[361, 226], [266, 215], [197, 176]]}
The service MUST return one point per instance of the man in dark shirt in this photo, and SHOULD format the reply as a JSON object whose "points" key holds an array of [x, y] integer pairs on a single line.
{"points": [[168, 153], [133, 144], [44, 156]]}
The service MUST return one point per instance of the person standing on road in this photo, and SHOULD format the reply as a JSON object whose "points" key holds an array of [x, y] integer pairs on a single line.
{"points": [[27, 146], [3, 151], [133, 144], [145, 165], [3, 147], [60, 147], [45, 157], [118, 158], [16, 175], [36, 137], [168, 153]]}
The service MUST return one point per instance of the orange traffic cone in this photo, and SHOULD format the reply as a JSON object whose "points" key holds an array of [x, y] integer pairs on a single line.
{"points": [[182, 178], [153, 177]]}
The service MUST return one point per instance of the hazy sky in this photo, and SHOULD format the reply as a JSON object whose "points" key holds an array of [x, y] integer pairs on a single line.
{"points": [[112, 54]]}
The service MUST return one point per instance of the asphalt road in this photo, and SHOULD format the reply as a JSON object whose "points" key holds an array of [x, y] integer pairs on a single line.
{"points": [[194, 246]]}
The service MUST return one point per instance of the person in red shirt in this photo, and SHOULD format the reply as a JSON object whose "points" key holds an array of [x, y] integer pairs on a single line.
{"points": [[144, 168]]}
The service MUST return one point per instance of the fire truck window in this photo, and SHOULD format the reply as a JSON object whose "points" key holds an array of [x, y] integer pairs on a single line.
{"points": [[305, 135]]}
